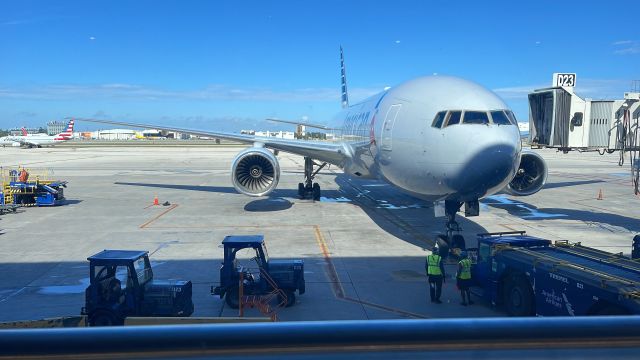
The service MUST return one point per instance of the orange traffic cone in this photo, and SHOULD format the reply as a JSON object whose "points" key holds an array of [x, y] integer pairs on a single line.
{"points": [[155, 200], [600, 196]]}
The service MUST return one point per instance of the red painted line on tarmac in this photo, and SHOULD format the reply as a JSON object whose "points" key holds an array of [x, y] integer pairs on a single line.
{"points": [[158, 216]]}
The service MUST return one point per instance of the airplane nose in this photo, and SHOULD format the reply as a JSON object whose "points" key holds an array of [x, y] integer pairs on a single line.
{"points": [[489, 170]]}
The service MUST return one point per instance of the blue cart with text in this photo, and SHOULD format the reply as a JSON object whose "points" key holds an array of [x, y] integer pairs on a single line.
{"points": [[533, 276]]}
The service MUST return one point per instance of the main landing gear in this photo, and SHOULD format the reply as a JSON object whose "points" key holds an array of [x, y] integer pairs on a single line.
{"points": [[309, 189], [452, 241]]}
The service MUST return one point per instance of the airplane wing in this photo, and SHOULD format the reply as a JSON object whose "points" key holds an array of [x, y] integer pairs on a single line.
{"points": [[333, 153], [316, 126]]}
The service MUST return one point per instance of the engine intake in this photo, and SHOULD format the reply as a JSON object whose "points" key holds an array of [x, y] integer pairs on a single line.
{"points": [[255, 172], [530, 177]]}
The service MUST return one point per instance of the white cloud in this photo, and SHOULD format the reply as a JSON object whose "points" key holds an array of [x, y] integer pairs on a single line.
{"points": [[18, 22], [586, 88], [517, 92], [212, 92], [626, 47]]}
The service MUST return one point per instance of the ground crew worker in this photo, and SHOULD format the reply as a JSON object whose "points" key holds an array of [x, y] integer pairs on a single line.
{"points": [[435, 272], [24, 175], [463, 278]]}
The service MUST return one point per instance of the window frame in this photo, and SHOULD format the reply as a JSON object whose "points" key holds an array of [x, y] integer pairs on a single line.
{"points": [[486, 113], [435, 119], [504, 112], [446, 123], [512, 117]]}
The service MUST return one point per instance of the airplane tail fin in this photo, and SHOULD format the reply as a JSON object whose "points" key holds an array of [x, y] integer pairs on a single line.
{"points": [[345, 95], [24, 131], [67, 134]]}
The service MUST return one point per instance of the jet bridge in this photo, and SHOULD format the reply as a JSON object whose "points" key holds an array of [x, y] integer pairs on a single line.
{"points": [[560, 119]]}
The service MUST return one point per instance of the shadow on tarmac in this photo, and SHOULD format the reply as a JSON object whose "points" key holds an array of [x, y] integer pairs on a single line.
{"points": [[531, 212], [399, 214], [37, 290], [270, 204], [570, 183]]}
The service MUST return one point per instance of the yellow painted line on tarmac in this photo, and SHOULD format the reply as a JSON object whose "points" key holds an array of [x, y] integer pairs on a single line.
{"points": [[336, 284], [158, 216]]}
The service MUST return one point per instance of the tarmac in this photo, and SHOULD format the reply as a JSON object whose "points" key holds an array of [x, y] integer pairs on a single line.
{"points": [[364, 244]]}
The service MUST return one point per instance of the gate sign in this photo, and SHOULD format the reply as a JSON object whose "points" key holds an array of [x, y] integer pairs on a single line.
{"points": [[564, 79]]}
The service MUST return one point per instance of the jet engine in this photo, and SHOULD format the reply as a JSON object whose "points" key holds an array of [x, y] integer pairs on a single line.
{"points": [[255, 172], [530, 177]]}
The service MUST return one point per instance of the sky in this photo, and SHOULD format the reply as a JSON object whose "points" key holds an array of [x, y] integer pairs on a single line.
{"points": [[228, 65]]}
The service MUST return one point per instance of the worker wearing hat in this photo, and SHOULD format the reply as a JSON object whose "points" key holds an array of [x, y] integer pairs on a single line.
{"points": [[435, 273], [463, 278]]}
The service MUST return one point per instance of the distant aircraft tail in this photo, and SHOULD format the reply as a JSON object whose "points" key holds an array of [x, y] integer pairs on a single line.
{"points": [[67, 134], [24, 131], [345, 96]]}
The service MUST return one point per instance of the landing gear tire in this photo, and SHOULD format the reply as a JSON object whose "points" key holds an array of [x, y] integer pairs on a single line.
{"points": [[232, 297], [316, 192], [457, 242], [612, 310], [309, 189], [290, 300], [443, 246], [518, 296]]}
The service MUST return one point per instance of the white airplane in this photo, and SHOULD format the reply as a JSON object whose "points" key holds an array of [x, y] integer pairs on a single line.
{"points": [[39, 140], [438, 138], [8, 141]]}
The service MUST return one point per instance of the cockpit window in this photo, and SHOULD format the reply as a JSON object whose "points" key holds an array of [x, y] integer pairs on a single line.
{"points": [[475, 117], [437, 121], [500, 118], [454, 117]]}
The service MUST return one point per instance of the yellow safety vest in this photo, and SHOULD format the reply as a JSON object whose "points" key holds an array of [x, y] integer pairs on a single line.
{"points": [[465, 272], [433, 265]]}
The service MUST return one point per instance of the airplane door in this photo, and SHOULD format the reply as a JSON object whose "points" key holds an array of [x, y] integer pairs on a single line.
{"points": [[387, 127]]}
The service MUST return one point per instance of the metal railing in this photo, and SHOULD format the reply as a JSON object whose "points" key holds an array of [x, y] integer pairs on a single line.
{"points": [[610, 337]]}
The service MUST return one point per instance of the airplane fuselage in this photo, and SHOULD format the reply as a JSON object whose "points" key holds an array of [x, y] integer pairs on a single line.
{"points": [[393, 138], [40, 140]]}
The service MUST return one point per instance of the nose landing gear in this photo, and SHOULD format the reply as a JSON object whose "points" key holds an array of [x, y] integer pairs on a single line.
{"points": [[451, 242], [309, 189]]}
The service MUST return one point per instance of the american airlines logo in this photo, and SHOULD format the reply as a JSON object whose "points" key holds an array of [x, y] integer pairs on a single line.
{"points": [[356, 123], [67, 134]]}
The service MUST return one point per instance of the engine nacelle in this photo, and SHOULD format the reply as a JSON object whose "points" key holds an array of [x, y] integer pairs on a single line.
{"points": [[531, 175], [255, 172]]}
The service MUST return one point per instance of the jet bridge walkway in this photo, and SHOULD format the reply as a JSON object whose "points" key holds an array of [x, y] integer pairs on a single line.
{"points": [[562, 120]]}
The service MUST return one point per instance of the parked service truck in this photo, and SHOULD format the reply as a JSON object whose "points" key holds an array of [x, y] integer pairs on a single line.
{"points": [[532, 276], [122, 285]]}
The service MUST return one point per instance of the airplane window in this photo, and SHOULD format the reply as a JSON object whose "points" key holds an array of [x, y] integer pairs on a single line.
{"points": [[512, 117], [500, 118], [454, 117], [437, 121], [475, 117]]}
